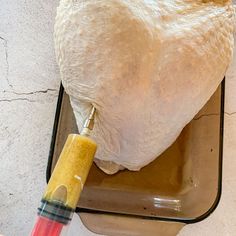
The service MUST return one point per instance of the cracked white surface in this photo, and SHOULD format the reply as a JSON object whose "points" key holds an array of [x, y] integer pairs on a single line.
{"points": [[29, 81]]}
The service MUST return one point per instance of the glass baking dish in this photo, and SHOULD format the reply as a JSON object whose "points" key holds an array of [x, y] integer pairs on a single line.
{"points": [[183, 185]]}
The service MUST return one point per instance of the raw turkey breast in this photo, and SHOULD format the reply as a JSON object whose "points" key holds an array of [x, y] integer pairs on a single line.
{"points": [[147, 66]]}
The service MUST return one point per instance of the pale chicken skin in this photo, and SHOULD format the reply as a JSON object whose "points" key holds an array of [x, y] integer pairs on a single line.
{"points": [[147, 66]]}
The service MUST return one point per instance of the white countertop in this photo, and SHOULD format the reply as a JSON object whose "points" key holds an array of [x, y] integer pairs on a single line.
{"points": [[29, 81]]}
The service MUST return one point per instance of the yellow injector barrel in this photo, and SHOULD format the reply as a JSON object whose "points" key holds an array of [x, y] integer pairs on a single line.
{"points": [[66, 183]]}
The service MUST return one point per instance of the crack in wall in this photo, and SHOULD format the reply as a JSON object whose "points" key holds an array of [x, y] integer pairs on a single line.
{"points": [[26, 95], [16, 99], [213, 114], [230, 113], [33, 92], [206, 115], [6, 58]]}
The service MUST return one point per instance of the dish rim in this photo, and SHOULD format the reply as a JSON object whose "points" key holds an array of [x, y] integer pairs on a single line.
{"points": [[180, 220]]}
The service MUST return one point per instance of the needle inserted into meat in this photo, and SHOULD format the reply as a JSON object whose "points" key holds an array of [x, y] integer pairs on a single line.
{"points": [[146, 66]]}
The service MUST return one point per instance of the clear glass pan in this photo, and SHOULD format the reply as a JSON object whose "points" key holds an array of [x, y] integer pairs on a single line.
{"points": [[181, 185]]}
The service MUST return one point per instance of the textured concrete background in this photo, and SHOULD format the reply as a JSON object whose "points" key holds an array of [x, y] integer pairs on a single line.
{"points": [[29, 82]]}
